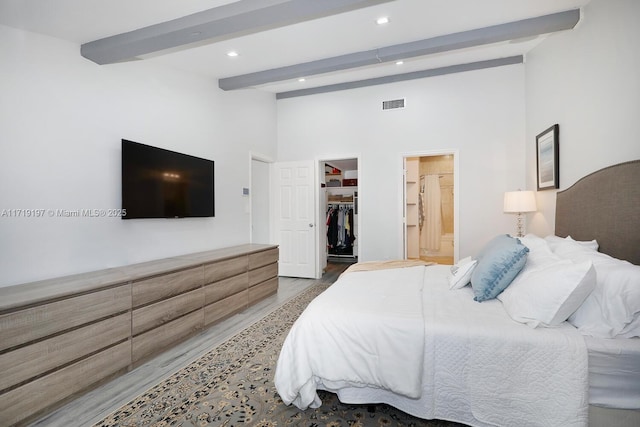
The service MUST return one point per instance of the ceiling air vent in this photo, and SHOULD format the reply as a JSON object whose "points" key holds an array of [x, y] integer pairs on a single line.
{"points": [[393, 104]]}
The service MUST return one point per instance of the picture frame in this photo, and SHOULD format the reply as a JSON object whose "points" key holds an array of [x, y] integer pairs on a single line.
{"points": [[548, 158]]}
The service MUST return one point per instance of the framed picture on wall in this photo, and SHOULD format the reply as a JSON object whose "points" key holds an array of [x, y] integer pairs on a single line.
{"points": [[548, 158]]}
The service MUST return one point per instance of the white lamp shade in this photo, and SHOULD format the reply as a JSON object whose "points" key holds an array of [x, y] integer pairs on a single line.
{"points": [[519, 201]]}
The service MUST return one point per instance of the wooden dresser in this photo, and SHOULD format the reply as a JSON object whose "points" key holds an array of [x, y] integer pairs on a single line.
{"points": [[64, 336]]}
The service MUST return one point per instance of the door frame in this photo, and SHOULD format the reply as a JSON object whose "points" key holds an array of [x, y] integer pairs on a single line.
{"points": [[321, 221], [402, 246], [266, 159]]}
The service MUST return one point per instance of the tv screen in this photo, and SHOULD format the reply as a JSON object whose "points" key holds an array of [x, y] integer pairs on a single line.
{"points": [[158, 183]]}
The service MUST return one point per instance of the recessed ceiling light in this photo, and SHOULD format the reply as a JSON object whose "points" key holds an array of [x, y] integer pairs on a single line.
{"points": [[301, 79], [383, 20], [399, 62], [232, 53]]}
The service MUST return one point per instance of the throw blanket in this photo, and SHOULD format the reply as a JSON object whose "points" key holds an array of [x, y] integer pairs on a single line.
{"points": [[382, 346], [385, 265]]}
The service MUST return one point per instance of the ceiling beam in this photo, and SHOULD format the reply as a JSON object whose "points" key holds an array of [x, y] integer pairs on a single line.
{"points": [[232, 20], [459, 68], [481, 36]]}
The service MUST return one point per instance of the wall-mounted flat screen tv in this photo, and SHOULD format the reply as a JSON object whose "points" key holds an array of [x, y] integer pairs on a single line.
{"points": [[158, 183]]}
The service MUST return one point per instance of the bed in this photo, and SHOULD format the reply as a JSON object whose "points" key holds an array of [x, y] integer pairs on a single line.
{"points": [[522, 344]]}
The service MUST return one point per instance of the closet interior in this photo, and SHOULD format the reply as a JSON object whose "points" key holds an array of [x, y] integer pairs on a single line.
{"points": [[340, 189]]}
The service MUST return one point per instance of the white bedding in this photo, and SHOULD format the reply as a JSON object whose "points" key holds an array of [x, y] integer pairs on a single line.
{"points": [[468, 362], [614, 372], [382, 347]]}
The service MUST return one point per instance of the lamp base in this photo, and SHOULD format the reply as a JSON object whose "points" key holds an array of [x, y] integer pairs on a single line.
{"points": [[519, 225]]}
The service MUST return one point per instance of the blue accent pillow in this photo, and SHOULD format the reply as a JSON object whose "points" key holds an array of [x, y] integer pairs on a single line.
{"points": [[499, 262]]}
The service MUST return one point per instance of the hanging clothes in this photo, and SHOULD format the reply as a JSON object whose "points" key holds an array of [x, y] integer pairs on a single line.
{"points": [[332, 228], [352, 236], [347, 228], [340, 230], [340, 225], [352, 212]]}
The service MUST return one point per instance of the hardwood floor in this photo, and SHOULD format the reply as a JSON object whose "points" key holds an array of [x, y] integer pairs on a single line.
{"points": [[97, 404]]}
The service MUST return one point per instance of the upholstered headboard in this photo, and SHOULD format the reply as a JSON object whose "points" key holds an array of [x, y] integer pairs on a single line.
{"points": [[605, 206]]}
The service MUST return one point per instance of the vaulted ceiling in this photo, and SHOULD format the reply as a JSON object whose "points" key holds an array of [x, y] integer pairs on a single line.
{"points": [[299, 47]]}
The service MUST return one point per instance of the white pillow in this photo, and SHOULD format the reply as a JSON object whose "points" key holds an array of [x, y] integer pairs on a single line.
{"points": [[555, 241], [539, 253], [613, 308], [532, 241], [460, 274], [548, 295], [590, 244]]}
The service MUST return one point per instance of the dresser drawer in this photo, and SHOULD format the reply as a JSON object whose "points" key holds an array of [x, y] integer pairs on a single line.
{"points": [[33, 397], [260, 259], [263, 273], [154, 315], [33, 323], [263, 290], [162, 337], [225, 288], [168, 285], [223, 269], [35, 359], [226, 307]]}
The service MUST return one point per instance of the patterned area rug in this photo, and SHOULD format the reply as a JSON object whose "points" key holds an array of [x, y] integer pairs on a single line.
{"points": [[233, 385]]}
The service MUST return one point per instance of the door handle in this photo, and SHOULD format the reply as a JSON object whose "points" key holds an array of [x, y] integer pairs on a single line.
{"points": [[310, 225]]}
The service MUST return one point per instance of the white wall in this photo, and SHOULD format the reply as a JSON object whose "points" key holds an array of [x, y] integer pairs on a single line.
{"points": [[588, 81], [479, 113], [62, 119]]}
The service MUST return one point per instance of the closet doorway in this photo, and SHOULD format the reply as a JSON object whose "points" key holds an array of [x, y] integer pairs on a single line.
{"points": [[430, 211], [338, 203]]}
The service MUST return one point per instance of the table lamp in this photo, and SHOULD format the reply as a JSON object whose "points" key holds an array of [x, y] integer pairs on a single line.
{"points": [[519, 202]]}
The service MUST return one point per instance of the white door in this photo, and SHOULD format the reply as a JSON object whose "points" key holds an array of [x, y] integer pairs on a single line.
{"points": [[294, 213]]}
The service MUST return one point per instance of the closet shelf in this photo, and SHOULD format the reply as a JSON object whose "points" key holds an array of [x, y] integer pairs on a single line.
{"points": [[348, 187]]}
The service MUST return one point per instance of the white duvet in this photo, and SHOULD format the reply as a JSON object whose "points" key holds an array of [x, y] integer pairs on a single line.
{"points": [[402, 337], [381, 347]]}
